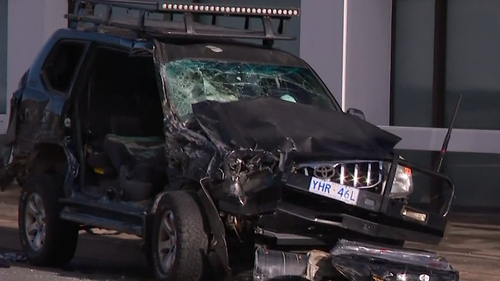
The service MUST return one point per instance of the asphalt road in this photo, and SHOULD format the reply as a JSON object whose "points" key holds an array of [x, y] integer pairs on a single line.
{"points": [[97, 257], [473, 248]]}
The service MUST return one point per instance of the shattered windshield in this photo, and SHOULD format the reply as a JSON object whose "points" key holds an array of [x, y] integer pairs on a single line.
{"points": [[192, 81]]}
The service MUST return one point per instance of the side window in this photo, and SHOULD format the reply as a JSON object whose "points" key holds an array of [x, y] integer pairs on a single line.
{"points": [[60, 66]]}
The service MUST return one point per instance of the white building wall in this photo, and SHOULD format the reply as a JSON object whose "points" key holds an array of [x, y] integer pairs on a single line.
{"points": [[348, 42], [367, 58], [30, 23], [321, 40]]}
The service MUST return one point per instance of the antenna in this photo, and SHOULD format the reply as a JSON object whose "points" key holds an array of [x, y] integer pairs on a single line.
{"points": [[446, 141]]}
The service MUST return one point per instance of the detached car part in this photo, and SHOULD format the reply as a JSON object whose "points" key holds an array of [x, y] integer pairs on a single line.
{"points": [[355, 261]]}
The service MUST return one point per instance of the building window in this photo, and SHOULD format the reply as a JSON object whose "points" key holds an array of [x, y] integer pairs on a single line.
{"points": [[473, 63], [444, 49], [3, 57], [413, 62]]}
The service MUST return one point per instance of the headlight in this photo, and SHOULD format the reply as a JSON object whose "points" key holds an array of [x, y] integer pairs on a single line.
{"points": [[402, 186]]}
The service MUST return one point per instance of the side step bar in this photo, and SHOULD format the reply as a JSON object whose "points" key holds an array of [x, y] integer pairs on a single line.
{"points": [[102, 223], [121, 217], [122, 208]]}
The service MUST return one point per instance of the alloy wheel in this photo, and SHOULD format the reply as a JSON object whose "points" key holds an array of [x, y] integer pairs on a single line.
{"points": [[35, 222], [167, 244]]}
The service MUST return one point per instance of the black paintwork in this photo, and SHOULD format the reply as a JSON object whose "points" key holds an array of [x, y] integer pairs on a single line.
{"points": [[272, 124]]}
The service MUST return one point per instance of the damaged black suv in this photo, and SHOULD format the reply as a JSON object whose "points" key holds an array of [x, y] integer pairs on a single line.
{"points": [[205, 146]]}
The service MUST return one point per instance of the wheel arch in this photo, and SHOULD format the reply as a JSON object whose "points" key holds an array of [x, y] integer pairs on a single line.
{"points": [[47, 158], [50, 157]]}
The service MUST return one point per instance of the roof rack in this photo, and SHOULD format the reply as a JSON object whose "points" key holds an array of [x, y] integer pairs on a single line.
{"points": [[189, 11]]}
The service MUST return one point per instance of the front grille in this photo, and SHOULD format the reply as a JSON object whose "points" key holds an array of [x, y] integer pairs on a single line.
{"points": [[366, 174]]}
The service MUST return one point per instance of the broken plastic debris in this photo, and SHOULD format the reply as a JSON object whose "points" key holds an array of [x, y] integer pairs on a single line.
{"points": [[358, 261], [7, 258], [4, 263]]}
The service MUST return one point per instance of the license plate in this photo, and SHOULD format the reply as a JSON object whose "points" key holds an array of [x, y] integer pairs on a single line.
{"points": [[346, 194]]}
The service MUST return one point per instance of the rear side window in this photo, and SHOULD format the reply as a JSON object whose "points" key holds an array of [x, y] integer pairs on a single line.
{"points": [[60, 67]]}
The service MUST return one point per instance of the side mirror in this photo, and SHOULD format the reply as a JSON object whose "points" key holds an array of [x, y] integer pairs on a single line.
{"points": [[357, 113]]}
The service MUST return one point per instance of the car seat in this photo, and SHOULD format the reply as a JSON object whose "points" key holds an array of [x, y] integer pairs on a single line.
{"points": [[139, 162]]}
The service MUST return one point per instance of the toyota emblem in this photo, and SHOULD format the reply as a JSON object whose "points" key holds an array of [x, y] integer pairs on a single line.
{"points": [[324, 172]]}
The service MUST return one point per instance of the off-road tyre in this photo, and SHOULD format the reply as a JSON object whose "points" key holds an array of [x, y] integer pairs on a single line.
{"points": [[61, 237], [191, 238]]}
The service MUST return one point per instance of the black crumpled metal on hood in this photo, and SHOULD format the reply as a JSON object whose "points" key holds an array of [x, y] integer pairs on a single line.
{"points": [[279, 126]]}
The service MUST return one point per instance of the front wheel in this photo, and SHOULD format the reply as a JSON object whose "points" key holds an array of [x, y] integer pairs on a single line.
{"points": [[46, 239], [179, 240]]}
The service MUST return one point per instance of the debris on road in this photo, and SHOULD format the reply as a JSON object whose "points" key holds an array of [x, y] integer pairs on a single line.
{"points": [[7, 258], [350, 260], [356, 260], [4, 263]]}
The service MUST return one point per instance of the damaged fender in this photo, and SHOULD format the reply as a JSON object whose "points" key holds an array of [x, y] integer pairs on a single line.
{"points": [[71, 162]]}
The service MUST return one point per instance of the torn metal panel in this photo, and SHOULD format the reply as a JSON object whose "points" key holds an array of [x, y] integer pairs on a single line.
{"points": [[189, 153], [274, 125], [248, 171]]}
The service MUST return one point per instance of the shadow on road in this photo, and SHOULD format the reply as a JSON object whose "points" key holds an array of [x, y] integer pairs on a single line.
{"points": [[97, 258]]}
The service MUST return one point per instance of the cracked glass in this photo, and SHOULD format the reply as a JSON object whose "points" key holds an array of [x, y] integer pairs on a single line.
{"points": [[191, 81]]}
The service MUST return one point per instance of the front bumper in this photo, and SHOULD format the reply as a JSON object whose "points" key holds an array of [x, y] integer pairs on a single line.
{"points": [[290, 214], [309, 215], [355, 261]]}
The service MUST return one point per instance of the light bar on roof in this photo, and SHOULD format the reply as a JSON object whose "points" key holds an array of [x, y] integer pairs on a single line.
{"points": [[232, 10]]}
